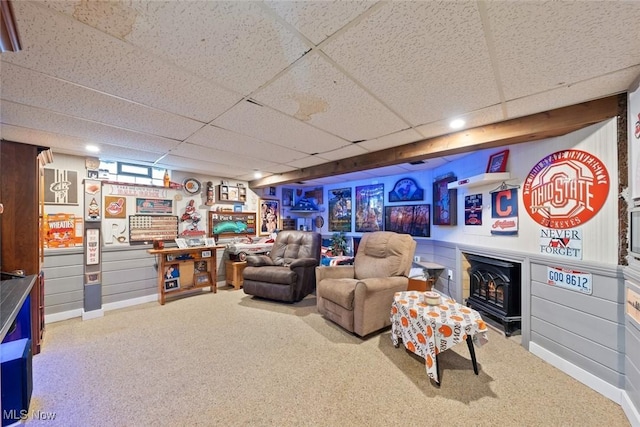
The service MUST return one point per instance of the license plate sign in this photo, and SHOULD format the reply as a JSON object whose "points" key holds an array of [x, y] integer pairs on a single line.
{"points": [[569, 279]]}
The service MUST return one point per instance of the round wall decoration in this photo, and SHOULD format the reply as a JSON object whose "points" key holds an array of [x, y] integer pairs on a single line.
{"points": [[192, 186], [319, 221], [566, 189]]}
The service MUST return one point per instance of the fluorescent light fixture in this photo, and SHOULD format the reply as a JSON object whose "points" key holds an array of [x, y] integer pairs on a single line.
{"points": [[257, 174], [456, 124], [92, 149]]}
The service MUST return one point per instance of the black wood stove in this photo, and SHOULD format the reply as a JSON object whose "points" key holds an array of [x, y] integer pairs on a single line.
{"points": [[495, 290]]}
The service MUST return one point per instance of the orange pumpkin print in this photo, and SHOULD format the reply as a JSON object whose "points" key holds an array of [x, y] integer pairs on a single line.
{"points": [[421, 338], [429, 361], [413, 296], [403, 301], [457, 318], [433, 314], [450, 301], [411, 346], [465, 310], [413, 313], [394, 310], [421, 304], [429, 331], [404, 321], [481, 324], [444, 307], [445, 330]]}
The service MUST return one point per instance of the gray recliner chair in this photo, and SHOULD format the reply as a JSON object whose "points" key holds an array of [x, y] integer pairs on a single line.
{"points": [[288, 272], [358, 297]]}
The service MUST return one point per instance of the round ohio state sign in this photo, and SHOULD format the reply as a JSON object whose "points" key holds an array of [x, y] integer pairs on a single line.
{"points": [[566, 189]]}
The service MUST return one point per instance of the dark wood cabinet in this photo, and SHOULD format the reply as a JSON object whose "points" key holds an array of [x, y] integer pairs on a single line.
{"points": [[20, 243]]}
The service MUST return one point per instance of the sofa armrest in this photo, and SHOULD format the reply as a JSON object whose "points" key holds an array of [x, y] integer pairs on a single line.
{"points": [[304, 262], [259, 260], [374, 297], [337, 272]]}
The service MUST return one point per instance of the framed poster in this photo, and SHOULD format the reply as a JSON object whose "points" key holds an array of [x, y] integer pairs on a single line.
{"points": [[444, 201], [269, 216], [287, 197], [413, 220], [340, 210], [498, 162], [369, 207], [473, 209]]}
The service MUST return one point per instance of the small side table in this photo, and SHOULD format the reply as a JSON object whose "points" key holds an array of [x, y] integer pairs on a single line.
{"points": [[420, 285], [233, 272]]}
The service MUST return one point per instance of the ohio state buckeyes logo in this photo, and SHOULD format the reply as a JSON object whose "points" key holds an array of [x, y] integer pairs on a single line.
{"points": [[566, 189]]}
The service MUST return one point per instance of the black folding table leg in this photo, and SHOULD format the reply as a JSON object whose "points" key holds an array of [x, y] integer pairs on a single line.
{"points": [[438, 371], [473, 353]]}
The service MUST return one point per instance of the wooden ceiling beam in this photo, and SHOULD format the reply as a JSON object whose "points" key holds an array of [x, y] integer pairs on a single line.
{"points": [[530, 128]]}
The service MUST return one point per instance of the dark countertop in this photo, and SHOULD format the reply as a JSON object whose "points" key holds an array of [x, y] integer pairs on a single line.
{"points": [[13, 293]]}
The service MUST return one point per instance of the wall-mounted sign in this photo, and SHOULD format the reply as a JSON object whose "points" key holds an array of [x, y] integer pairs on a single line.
{"points": [[405, 190], [569, 279], [633, 305], [473, 209], [93, 246], [504, 212], [154, 206], [115, 207], [563, 243], [566, 189]]}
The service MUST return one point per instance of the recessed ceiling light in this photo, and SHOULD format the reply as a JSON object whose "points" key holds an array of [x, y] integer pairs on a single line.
{"points": [[92, 149], [257, 174], [456, 124]]}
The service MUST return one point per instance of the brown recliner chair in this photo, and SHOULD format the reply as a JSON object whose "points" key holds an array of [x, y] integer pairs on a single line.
{"points": [[288, 272], [358, 297]]}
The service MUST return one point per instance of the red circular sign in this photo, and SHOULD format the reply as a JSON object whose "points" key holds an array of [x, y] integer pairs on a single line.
{"points": [[566, 189]]}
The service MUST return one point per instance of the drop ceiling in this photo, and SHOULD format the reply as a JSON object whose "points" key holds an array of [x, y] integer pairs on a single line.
{"points": [[230, 88]]}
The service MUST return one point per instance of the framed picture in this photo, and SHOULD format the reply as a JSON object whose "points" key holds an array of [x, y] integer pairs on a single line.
{"points": [[171, 284], [287, 197], [444, 201], [369, 208], [498, 162], [60, 187], [200, 266], [413, 219], [340, 210], [172, 272], [269, 216], [92, 278], [202, 279]]}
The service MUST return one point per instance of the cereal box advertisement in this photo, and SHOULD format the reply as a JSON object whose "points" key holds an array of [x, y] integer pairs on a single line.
{"points": [[62, 231]]}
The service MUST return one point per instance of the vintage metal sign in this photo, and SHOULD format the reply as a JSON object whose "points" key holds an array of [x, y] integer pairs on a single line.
{"points": [[569, 279], [562, 243], [566, 189]]}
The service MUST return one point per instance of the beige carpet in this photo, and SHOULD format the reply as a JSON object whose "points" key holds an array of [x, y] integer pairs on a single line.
{"points": [[227, 359]]}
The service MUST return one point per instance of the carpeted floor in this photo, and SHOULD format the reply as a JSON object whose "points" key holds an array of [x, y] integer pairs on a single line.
{"points": [[228, 359]]}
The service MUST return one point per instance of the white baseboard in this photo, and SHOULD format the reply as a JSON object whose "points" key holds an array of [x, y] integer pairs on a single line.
{"points": [[604, 388], [93, 314], [630, 411], [609, 391], [70, 314]]}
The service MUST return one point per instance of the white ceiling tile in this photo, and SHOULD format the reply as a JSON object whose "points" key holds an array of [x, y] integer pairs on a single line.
{"points": [[426, 60], [318, 20], [316, 92], [343, 153], [97, 133], [202, 166], [246, 146], [62, 47], [473, 119], [269, 125], [233, 42], [192, 151], [307, 161], [570, 35], [393, 140], [568, 95], [27, 87]]}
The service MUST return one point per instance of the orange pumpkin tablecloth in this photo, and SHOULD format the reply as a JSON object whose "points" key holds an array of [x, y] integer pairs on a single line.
{"points": [[427, 330]]}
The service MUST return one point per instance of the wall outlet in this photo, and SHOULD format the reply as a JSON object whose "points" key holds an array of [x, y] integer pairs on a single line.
{"points": [[416, 258], [449, 274]]}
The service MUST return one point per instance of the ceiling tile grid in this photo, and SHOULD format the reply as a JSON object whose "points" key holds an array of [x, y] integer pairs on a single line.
{"points": [[426, 60]]}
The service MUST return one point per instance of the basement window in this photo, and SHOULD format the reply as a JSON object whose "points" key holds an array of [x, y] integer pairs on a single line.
{"points": [[131, 173]]}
